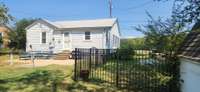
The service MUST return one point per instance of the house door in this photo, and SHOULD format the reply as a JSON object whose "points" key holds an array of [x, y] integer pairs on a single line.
{"points": [[66, 41]]}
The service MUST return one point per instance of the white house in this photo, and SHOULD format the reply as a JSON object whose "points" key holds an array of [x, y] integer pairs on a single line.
{"points": [[43, 35], [190, 61]]}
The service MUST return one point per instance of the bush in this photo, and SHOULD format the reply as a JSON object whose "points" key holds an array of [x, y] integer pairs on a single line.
{"points": [[125, 54], [151, 81]]}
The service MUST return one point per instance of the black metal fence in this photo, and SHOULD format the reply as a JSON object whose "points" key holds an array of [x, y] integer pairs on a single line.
{"points": [[140, 70]]}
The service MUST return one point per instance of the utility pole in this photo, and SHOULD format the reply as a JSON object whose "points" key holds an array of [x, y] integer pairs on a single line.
{"points": [[110, 8]]}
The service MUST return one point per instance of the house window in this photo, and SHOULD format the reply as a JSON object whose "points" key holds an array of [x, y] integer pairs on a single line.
{"points": [[87, 35], [107, 39], [43, 37], [114, 40]]}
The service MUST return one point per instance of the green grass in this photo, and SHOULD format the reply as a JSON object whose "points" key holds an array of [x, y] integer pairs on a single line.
{"points": [[7, 72], [137, 75], [4, 58], [10, 80]]}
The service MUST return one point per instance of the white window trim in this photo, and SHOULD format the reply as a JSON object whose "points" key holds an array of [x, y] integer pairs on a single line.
{"points": [[41, 37], [85, 35]]}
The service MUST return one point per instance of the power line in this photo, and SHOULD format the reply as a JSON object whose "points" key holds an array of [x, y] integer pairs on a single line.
{"points": [[136, 7]]}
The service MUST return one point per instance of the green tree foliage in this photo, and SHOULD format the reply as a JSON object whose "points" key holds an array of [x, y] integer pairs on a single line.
{"points": [[163, 35], [127, 47], [18, 36], [5, 17], [132, 43], [186, 11]]}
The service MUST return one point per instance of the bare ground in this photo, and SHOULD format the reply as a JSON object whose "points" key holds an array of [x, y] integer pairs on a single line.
{"points": [[39, 63]]}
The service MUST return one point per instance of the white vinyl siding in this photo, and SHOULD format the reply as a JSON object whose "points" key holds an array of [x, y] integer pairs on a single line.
{"points": [[34, 37], [96, 38], [115, 41], [190, 74], [115, 36], [43, 37]]}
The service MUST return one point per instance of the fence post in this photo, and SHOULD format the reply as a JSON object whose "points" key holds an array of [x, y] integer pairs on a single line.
{"points": [[11, 57], [32, 59], [90, 62], [75, 65], [117, 73]]}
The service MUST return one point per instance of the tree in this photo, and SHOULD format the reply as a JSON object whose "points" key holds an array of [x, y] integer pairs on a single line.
{"points": [[18, 36], [186, 11], [5, 18], [133, 42], [162, 35]]}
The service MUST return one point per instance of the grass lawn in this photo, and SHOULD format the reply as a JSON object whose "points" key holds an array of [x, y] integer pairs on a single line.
{"points": [[4, 59], [135, 74], [12, 80]]}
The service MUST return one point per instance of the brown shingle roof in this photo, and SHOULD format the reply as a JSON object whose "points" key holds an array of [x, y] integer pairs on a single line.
{"points": [[191, 46]]}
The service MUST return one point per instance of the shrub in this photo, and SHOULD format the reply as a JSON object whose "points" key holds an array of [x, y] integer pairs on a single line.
{"points": [[125, 54]]}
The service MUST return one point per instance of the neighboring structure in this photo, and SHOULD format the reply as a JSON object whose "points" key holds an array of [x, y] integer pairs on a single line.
{"points": [[4, 30], [190, 61], [60, 36]]}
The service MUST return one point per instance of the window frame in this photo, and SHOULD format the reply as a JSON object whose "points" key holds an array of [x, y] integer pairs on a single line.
{"points": [[87, 36], [44, 38]]}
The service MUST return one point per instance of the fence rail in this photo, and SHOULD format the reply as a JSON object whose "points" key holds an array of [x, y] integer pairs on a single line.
{"points": [[141, 70]]}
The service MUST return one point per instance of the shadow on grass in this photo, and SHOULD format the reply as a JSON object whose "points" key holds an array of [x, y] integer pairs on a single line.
{"points": [[36, 81], [82, 87], [3, 88]]}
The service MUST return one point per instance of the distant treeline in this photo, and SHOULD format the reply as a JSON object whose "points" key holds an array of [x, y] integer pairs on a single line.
{"points": [[132, 43]]}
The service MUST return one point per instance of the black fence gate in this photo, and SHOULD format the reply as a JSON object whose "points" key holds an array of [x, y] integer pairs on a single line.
{"points": [[141, 70]]}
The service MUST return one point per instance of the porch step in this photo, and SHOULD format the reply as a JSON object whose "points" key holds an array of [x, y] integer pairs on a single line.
{"points": [[63, 55]]}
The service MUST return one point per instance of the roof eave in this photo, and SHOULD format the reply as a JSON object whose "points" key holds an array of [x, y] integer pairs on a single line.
{"points": [[197, 59], [83, 27]]}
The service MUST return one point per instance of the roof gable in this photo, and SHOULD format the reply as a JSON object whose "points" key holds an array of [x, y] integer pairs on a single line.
{"points": [[43, 22]]}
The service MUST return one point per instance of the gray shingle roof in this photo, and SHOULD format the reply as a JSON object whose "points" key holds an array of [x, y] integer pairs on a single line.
{"points": [[77, 24], [191, 45], [85, 23]]}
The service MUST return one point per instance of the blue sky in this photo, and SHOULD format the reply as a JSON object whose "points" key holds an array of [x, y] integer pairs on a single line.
{"points": [[130, 13]]}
